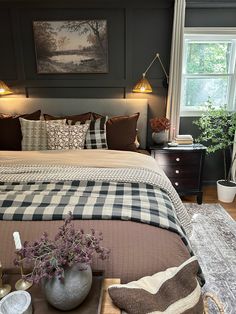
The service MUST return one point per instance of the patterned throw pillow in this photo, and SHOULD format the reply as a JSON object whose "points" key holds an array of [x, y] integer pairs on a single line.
{"points": [[96, 136], [175, 290], [34, 133], [66, 136]]}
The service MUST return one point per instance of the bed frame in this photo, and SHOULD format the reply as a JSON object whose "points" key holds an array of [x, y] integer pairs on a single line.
{"points": [[70, 106]]}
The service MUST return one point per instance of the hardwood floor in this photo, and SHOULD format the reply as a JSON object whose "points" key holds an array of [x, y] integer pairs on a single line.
{"points": [[210, 196]]}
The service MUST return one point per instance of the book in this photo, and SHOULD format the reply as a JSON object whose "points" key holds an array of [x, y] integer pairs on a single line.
{"points": [[184, 142], [184, 137]]}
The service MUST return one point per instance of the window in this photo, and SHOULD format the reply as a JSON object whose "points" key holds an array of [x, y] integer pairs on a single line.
{"points": [[208, 69]]}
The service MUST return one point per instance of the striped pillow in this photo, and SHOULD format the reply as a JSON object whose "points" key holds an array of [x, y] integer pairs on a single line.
{"points": [[96, 136], [173, 291], [34, 133]]}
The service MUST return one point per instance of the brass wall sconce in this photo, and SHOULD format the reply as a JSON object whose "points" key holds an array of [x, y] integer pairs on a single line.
{"points": [[4, 89], [143, 86]]}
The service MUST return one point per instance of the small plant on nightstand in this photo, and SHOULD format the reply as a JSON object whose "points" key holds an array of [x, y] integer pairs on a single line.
{"points": [[218, 127]]}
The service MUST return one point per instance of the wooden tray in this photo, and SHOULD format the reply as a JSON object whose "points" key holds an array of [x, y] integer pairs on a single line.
{"points": [[91, 305]]}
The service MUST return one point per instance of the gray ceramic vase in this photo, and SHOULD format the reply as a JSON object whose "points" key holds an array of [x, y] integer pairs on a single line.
{"points": [[70, 293], [160, 137]]}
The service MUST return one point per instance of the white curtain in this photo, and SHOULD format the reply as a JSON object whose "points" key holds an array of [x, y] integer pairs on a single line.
{"points": [[174, 91]]}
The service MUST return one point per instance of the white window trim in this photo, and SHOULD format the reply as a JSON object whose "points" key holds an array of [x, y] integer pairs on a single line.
{"points": [[206, 32]]}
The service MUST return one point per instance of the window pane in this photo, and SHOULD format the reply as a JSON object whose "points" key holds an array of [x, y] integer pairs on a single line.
{"points": [[208, 58], [198, 90]]}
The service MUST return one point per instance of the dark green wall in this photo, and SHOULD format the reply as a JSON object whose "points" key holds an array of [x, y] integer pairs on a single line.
{"points": [[137, 30]]}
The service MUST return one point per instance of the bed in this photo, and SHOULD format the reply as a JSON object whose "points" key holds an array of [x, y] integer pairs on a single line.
{"points": [[125, 195]]}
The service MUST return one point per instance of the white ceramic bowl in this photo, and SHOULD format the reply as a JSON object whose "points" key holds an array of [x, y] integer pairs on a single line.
{"points": [[17, 302]]}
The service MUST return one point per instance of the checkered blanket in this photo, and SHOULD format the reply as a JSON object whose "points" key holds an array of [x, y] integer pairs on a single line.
{"points": [[52, 173], [36, 192], [138, 202]]}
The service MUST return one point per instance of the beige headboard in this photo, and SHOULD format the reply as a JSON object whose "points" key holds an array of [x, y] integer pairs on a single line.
{"points": [[62, 106]]}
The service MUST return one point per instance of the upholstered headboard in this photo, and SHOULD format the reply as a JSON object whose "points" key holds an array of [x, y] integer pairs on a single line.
{"points": [[62, 106]]}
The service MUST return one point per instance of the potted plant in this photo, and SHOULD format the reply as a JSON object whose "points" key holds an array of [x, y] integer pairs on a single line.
{"points": [[218, 127], [62, 265], [159, 126]]}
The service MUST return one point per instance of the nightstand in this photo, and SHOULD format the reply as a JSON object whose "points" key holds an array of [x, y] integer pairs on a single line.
{"points": [[183, 165]]}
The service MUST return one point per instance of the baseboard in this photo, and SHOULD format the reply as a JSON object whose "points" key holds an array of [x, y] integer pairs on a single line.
{"points": [[209, 182]]}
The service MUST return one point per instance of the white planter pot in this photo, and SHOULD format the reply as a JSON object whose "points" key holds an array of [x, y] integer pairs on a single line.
{"points": [[226, 194]]}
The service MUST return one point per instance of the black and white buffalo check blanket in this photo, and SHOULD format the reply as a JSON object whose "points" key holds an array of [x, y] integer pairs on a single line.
{"points": [[37, 192], [139, 202], [42, 189], [123, 193]]}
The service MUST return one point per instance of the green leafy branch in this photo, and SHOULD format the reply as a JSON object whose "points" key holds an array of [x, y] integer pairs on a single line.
{"points": [[217, 126]]}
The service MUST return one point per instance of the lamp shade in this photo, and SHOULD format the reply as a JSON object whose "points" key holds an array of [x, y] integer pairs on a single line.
{"points": [[4, 89], [142, 86]]}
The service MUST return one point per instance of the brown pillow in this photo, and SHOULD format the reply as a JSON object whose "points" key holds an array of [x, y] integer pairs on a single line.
{"points": [[175, 290], [96, 115], [121, 132], [75, 118], [5, 115], [10, 130]]}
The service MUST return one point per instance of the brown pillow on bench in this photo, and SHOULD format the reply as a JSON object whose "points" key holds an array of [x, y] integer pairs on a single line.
{"points": [[10, 130], [175, 290]]}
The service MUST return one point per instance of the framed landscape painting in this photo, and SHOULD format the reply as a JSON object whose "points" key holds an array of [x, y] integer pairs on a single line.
{"points": [[79, 46]]}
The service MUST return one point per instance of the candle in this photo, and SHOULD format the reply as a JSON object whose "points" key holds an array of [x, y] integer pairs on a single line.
{"points": [[17, 240]]}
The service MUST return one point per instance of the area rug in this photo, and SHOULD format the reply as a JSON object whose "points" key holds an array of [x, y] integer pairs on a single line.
{"points": [[214, 242]]}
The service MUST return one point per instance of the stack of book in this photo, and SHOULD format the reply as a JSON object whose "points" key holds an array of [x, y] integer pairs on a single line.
{"points": [[184, 139]]}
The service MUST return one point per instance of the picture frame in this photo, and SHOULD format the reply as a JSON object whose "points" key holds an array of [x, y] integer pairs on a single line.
{"points": [[71, 46]]}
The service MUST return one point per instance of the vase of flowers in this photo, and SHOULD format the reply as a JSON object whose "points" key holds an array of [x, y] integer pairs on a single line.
{"points": [[160, 126], [62, 265]]}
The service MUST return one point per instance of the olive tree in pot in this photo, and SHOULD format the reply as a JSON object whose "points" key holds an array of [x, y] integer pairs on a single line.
{"points": [[218, 126]]}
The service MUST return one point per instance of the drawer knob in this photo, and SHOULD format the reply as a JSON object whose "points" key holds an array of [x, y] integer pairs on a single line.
{"points": [[176, 171], [176, 183], [177, 159]]}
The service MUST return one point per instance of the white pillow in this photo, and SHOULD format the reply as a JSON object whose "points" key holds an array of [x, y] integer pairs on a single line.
{"points": [[34, 133], [66, 136]]}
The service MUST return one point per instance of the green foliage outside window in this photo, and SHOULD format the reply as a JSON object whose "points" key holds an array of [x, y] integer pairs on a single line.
{"points": [[208, 58], [203, 61]]}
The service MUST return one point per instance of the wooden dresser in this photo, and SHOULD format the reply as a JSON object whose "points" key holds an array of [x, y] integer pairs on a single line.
{"points": [[183, 165]]}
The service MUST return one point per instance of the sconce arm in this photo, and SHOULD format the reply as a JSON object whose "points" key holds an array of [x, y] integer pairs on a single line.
{"points": [[157, 56]]}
